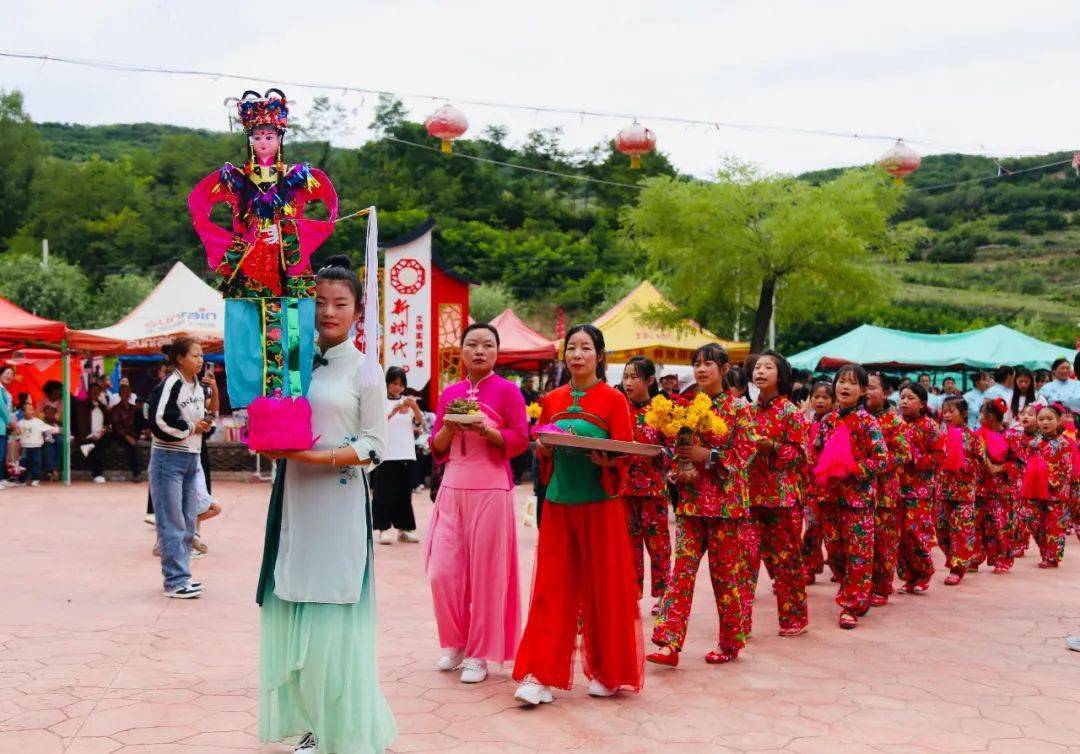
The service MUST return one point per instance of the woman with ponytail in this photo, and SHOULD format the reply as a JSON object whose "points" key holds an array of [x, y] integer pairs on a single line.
{"points": [[318, 672]]}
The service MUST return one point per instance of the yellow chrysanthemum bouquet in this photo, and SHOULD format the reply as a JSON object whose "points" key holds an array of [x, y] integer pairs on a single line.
{"points": [[687, 424]]}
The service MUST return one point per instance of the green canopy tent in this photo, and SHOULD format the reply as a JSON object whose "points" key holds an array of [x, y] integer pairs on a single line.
{"points": [[899, 351]]}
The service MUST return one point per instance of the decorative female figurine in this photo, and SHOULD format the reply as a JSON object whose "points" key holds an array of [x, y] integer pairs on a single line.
{"points": [[265, 259]]}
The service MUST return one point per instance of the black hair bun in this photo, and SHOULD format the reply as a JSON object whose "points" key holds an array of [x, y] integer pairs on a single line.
{"points": [[166, 350], [340, 260]]}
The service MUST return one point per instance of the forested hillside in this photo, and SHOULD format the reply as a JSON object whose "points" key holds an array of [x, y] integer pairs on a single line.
{"points": [[112, 202]]}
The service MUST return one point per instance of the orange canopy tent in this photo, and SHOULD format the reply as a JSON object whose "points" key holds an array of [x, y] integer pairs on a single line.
{"points": [[521, 347]]}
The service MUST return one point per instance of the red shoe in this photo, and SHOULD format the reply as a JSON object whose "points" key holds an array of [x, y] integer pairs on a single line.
{"points": [[811, 578], [793, 630], [670, 659], [719, 658], [834, 579], [848, 621], [1001, 569], [954, 578], [879, 600], [1047, 564]]}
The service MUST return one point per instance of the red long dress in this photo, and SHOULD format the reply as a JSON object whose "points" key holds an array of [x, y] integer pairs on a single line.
{"points": [[584, 569]]}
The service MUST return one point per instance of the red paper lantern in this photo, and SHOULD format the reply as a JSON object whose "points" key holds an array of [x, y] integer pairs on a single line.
{"points": [[901, 160], [447, 123], [635, 140]]}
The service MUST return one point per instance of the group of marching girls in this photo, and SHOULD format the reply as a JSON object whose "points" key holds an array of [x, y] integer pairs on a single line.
{"points": [[845, 478]]}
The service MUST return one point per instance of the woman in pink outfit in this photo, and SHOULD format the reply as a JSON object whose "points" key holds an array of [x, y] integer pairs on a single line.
{"points": [[471, 551]]}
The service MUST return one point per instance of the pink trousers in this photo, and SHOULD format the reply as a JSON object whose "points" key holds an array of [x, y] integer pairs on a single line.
{"points": [[471, 561]]}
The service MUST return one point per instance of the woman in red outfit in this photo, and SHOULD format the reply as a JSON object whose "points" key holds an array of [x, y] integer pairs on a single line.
{"points": [[927, 443], [956, 482], [821, 403], [644, 489], [851, 455], [775, 526], [887, 509], [584, 570], [995, 513], [710, 517]]}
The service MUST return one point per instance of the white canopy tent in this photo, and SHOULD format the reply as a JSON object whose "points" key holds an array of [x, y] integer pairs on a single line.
{"points": [[181, 304]]}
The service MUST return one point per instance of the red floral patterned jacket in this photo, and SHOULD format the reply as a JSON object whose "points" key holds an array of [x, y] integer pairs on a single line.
{"points": [[958, 487], [813, 493], [1057, 453], [994, 486], [899, 451], [644, 476], [722, 490], [927, 444], [776, 478], [858, 490]]}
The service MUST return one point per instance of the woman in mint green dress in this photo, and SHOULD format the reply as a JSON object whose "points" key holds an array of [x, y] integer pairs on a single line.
{"points": [[318, 674]]}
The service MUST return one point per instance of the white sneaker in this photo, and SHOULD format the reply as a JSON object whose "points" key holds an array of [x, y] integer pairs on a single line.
{"points": [[408, 536], [195, 554], [473, 670], [308, 744], [386, 538], [99, 480], [149, 518], [452, 661], [35, 483], [3, 485], [598, 689], [533, 693]]}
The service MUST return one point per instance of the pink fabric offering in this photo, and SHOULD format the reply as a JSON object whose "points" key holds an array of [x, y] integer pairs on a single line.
{"points": [[837, 458], [1036, 484], [279, 423], [954, 450], [996, 447]]}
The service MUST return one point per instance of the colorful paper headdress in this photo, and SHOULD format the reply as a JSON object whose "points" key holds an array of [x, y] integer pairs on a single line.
{"points": [[269, 109]]}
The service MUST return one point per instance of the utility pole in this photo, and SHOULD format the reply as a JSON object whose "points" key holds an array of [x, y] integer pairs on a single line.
{"points": [[44, 252]]}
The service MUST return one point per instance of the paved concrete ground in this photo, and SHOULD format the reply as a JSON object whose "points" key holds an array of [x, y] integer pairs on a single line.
{"points": [[94, 660]]}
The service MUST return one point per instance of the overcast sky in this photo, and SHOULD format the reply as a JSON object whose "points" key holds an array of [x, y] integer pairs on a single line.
{"points": [[948, 75]]}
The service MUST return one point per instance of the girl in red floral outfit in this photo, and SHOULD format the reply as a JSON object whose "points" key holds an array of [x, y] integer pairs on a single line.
{"points": [[851, 455], [1019, 441], [775, 525], [644, 489], [927, 444], [956, 482], [821, 403], [710, 516], [887, 510], [995, 511], [1047, 485]]}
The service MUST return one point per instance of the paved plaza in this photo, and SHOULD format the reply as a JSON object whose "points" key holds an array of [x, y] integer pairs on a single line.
{"points": [[93, 660]]}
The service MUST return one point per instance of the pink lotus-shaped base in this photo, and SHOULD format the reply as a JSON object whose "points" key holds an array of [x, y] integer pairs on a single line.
{"points": [[279, 423]]}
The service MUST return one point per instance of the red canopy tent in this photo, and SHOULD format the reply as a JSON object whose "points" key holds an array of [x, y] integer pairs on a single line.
{"points": [[20, 329], [521, 347]]}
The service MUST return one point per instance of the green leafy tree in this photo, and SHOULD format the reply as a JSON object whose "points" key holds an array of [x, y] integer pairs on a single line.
{"points": [[732, 244], [117, 296], [488, 300], [21, 150], [57, 290]]}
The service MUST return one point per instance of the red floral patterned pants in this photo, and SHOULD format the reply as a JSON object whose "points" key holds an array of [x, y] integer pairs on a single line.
{"points": [[774, 533], [1050, 520], [723, 539], [813, 559], [1022, 532], [886, 548], [917, 540], [850, 532], [956, 534], [647, 521], [995, 520]]}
